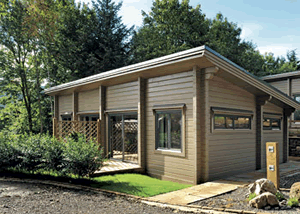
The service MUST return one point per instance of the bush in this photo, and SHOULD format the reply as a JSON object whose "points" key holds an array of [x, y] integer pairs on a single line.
{"points": [[279, 196], [293, 202], [10, 156], [251, 196], [82, 157]]}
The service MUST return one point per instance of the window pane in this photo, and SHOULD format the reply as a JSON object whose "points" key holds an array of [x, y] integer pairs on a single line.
{"points": [[267, 123], [162, 136], [297, 115], [242, 123], [176, 130], [229, 123], [219, 122], [275, 124]]}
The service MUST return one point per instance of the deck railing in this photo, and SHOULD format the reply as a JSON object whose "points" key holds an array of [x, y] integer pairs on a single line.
{"points": [[63, 129]]}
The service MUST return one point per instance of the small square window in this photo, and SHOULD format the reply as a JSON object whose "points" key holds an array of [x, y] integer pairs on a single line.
{"points": [[66, 117], [169, 130]]}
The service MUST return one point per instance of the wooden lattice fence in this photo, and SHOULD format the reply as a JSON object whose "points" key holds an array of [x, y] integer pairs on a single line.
{"points": [[63, 129]]}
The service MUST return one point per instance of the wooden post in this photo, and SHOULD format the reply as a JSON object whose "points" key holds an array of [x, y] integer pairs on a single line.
{"points": [[54, 127], [272, 149], [99, 132], [141, 124]]}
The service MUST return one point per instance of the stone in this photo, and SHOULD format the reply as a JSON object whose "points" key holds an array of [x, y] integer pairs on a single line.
{"points": [[295, 190], [267, 208], [283, 203], [262, 185], [263, 200]]}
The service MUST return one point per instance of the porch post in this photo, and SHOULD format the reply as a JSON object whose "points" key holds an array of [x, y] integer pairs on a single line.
{"points": [[74, 106], [260, 102], [99, 132], [54, 127], [141, 123], [102, 118], [286, 114], [55, 116]]}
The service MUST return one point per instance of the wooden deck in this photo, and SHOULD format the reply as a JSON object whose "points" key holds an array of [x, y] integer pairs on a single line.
{"points": [[114, 167]]}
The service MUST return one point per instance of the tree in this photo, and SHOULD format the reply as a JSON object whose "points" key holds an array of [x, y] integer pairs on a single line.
{"points": [[170, 27]]}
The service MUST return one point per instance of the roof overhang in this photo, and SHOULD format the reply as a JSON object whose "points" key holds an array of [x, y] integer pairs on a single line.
{"points": [[276, 77], [202, 57]]}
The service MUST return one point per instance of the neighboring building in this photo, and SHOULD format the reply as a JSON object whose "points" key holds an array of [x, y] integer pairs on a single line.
{"points": [[197, 115]]}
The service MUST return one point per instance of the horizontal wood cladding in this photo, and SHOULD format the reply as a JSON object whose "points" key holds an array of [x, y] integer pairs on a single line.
{"points": [[272, 108], [281, 85], [170, 89], [64, 103], [231, 151], [122, 96], [88, 100], [295, 86]]}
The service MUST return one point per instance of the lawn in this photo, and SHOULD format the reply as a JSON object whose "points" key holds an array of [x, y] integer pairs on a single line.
{"points": [[136, 184]]}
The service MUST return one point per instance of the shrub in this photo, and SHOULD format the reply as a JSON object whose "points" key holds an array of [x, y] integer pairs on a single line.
{"points": [[293, 202], [10, 156], [279, 196], [82, 157], [251, 196]]}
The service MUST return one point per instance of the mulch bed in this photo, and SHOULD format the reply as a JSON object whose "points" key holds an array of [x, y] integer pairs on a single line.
{"points": [[237, 199]]}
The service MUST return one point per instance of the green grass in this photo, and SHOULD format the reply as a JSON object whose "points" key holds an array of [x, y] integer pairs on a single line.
{"points": [[136, 184]]}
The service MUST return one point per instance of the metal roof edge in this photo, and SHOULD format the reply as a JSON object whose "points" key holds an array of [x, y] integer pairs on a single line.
{"points": [[125, 69], [283, 75]]}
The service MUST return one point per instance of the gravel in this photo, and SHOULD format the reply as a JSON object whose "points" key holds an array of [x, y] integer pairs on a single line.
{"points": [[237, 199], [22, 197]]}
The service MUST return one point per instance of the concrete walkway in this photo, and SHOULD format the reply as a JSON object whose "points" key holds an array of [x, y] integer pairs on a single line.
{"points": [[214, 188]]}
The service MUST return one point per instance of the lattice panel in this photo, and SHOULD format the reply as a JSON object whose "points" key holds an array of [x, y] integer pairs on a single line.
{"points": [[88, 128]]}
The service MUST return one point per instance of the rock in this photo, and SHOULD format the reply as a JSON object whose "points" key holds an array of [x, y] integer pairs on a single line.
{"points": [[262, 185], [295, 190], [263, 200], [283, 203], [267, 208]]}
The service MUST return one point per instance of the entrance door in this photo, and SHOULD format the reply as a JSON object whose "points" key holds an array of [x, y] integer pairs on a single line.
{"points": [[123, 143]]}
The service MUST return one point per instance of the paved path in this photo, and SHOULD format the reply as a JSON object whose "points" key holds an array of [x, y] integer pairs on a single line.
{"points": [[214, 188]]}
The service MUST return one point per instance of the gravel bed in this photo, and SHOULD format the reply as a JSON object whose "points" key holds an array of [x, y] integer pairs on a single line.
{"points": [[237, 198], [22, 197]]}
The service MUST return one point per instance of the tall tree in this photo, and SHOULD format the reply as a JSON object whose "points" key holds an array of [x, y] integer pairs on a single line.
{"points": [[169, 27]]}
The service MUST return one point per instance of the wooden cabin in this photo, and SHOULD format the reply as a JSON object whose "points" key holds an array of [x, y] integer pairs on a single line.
{"points": [[190, 117]]}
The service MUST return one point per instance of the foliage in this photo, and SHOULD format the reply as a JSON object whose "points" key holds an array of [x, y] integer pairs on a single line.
{"points": [[279, 196], [293, 202], [136, 184], [170, 27], [35, 153], [82, 158], [251, 196]]}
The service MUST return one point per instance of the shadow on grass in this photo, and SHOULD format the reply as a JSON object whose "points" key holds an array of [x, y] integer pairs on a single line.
{"points": [[115, 185]]}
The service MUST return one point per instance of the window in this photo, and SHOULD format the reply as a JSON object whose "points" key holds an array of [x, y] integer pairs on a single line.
{"points": [[169, 129], [272, 124], [297, 113], [66, 117], [89, 117], [231, 122]]}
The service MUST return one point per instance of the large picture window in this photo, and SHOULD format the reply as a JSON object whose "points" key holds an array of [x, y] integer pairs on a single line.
{"points": [[169, 130], [231, 122], [272, 124]]}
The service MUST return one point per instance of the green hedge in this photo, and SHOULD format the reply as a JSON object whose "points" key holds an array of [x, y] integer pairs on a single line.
{"points": [[42, 152]]}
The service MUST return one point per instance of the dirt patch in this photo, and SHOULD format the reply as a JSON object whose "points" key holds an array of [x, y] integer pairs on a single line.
{"points": [[22, 197]]}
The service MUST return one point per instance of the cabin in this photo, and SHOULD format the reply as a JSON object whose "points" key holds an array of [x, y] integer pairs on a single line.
{"points": [[188, 117], [289, 83]]}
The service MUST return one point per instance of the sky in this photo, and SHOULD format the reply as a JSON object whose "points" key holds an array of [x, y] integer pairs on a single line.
{"points": [[273, 25]]}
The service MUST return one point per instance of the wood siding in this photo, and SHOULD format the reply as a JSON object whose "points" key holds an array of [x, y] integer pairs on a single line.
{"points": [[88, 100], [122, 96], [272, 135], [64, 104], [281, 85], [171, 89], [295, 86], [231, 151]]}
